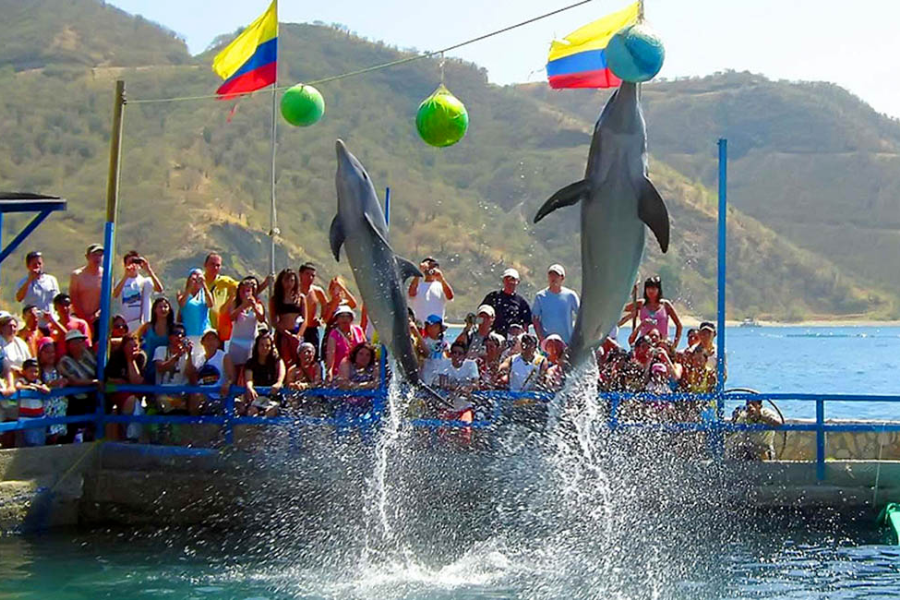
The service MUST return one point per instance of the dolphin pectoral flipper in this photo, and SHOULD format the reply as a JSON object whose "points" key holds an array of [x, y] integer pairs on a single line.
{"points": [[567, 196], [652, 211], [336, 237], [407, 269]]}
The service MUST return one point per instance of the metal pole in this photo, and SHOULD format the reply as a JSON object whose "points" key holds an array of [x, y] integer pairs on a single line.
{"points": [[722, 268], [820, 439], [109, 241], [273, 219], [387, 206]]}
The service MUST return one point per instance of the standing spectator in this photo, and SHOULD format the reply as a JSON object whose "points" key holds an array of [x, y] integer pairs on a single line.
{"points": [[429, 297], [286, 297], [222, 287], [509, 307], [707, 335], [342, 339], [85, 287], [476, 331], [316, 305], [155, 333], [56, 405], [79, 367], [653, 312], [37, 288], [195, 302], [288, 336], [65, 322], [247, 312], [264, 369], [30, 332], [14, 348], [135, 290], [555, 307], [434, 348]]}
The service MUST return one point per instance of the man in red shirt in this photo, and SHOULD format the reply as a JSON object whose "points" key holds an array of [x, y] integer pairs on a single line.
{"points": [[66, 322]]}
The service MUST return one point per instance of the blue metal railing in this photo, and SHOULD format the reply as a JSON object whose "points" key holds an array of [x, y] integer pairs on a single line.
{"points": [[715, 428]]}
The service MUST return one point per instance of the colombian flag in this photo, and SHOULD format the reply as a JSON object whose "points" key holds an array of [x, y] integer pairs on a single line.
{"points": [[579, 59], [249, 62]]}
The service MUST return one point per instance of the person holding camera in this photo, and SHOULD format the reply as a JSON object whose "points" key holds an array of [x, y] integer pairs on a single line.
{"points": [[37, 288], [171, 368], [134, 290], [478, 328], [429, 296], [756, 445]]}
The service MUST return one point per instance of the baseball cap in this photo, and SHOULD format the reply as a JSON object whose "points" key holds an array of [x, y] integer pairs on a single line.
{"points": [[511, 273], [514, 326], [94, 248], [707, 325], [75, 334], [558, 269], [486, 309], [209, 331], [34, 254], [5, 317]]}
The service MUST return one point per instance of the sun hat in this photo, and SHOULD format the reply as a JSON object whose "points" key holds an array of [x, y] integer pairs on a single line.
{"points": [[344, 309], [511, 273], [551, 339]]}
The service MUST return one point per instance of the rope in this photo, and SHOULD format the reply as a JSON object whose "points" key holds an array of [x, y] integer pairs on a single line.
{"points": [[373, 68]]}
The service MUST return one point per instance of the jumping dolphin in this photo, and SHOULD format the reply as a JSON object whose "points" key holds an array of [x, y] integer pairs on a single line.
{"points": [[617, 200], [360, 227]]}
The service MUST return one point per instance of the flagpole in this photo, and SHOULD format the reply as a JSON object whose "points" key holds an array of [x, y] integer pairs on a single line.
{"points": [[273, 219]]}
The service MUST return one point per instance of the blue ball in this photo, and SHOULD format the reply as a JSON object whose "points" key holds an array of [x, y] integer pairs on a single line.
{"points": [[635, 54]]}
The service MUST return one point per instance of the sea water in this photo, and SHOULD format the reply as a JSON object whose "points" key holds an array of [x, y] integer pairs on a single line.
{"points": [[571, 512]]}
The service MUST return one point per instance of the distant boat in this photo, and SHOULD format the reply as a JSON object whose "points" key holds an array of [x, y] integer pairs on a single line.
{"points": [[750, 322]]}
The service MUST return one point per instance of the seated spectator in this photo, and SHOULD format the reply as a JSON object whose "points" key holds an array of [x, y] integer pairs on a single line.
{"points": [[489, 375], [460, 374], [307, 373], [431, 295], [32, 408], [757, 445], [30, 332], [246, 314], [171, 369], [555, 307], [524, 371], [37, 288], [653, 312], [117, 331], [513, 340], [509, 307], [698, 377], [126, 366], [14, 348], [134, 290], [342, 338], [288, 337], [434, 347], [55, 406], [85, 287], [692, 337], [476, 331], [212, 367], [554, 349], [358, 371], [633, 372], [155, 333], [194, 302], [79, 367], [64, 322], [612, 362], [287, 298], [264, 369]]}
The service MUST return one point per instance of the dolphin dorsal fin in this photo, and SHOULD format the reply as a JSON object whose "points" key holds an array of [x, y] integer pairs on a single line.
{"points": [[336, 237], [567, 196], [652, 211], [407, 269]]}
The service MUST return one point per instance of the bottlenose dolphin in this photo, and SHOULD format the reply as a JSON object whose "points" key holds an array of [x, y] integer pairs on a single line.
{"points": [[617, 200], [360, 227]]}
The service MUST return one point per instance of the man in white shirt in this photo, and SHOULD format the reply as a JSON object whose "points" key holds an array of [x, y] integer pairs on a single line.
{"points": [[459, 375], [37, 288], [429, 297], [14, 348], [135, 290]]}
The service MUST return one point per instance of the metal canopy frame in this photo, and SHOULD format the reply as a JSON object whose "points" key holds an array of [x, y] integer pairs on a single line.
{"points": [[20, 202]]}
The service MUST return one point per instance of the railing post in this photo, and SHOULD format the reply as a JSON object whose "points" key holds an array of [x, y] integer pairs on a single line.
{"points": [[227, 427], [820, 439]]}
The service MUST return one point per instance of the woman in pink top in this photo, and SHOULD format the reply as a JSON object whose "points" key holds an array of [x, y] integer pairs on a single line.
{"points": [[341, 340], [654, 312]]}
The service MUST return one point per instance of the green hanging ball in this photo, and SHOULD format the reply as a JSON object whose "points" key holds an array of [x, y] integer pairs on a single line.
{"points": [[302, 105], [442, 119]]}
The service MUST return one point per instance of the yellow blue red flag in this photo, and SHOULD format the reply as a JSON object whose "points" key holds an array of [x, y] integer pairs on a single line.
{"points": [[579, 59], [249, 62]]}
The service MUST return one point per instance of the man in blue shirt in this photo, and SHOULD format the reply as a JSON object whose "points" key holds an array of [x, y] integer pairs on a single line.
{"points": [[555, 307]]}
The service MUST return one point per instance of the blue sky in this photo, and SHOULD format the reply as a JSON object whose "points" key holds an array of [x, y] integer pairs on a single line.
{"points": [[854, 44]]}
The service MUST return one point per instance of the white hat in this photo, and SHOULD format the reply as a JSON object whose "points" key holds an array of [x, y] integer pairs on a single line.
{"points": [[486, 309], [511, 273], [558, 269], [343, 309], [550, 339]]}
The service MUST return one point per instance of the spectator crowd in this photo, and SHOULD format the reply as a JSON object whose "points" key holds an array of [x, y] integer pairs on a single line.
{"points": [[218, 331]]}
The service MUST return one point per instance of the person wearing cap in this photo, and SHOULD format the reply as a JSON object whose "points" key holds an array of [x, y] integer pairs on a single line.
{"points": [[37, 288], [433, 347], [555, 307], [64, 322], [429, 296], [135, 290], [195, 302], [85, 287], [477, 330], [509, 306], [513, 340], [79, 367], [707, 335], [14, 348], [32, 408], [344, 336]]}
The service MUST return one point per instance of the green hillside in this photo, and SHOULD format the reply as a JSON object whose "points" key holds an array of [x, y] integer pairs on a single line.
{"points": [[193, 181]]}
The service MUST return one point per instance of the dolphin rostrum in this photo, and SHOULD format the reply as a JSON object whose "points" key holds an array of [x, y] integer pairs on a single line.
{"points": [[617, 200], [360, 227]]}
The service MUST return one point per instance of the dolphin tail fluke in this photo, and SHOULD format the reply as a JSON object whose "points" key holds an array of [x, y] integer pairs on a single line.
{"points": [[567, 196], [407, 269], [652, 211], [336, 237]]}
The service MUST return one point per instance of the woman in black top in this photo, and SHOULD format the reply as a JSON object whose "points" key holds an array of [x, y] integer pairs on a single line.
{"points": [[265, 369], [286, 297]]}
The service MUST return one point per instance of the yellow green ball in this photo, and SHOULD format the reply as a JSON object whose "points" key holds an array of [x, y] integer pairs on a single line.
{"points": [[302, 105], [442, 120]]}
